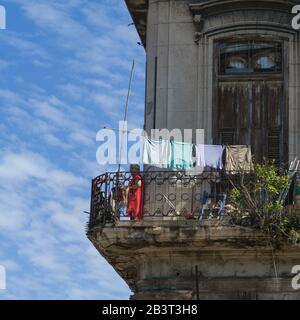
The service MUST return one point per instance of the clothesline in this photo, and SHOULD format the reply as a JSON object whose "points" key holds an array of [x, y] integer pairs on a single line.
{"points": [[179, 155], [144, 135], [169, 153]]}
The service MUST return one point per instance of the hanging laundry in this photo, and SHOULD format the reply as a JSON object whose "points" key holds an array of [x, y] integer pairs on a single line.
{"points": [[156, 153], [238, 158], [181, 155], [200, 155], [209, 156]]}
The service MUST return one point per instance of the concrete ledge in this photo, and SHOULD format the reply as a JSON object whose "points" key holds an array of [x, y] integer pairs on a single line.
{"points": [[157, 260]]}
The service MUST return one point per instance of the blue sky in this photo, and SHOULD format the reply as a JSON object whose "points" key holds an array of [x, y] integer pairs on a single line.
{"points": [[64, 67]]}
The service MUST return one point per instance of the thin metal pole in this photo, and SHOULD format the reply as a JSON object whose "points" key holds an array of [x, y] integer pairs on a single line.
{"points": [[155, 93], [121, 142], [125, 115]]}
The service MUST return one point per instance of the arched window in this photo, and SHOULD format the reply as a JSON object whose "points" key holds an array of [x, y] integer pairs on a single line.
{"points": [[247, 57]]}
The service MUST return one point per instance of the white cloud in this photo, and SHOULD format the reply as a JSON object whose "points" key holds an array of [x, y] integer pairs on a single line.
{"points": [[48, 231], [24, 47], [97, 83], [4, 64], [10, 265], [22, 166]]}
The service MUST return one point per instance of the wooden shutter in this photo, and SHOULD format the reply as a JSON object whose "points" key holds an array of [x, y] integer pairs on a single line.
{"points": [[274, 145]]}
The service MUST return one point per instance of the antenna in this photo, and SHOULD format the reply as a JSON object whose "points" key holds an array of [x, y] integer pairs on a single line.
{"points": [[125, 115], [121, 142]]}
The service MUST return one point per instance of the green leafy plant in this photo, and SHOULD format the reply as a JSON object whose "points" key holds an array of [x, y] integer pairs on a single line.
{"points": [[257, 201]]}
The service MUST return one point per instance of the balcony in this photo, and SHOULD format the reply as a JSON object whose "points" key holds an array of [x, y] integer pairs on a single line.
{"points": [[186, 223], [168, 196]]}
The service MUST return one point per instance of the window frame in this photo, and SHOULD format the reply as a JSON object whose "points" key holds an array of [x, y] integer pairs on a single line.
{"points": [[278, 49]]}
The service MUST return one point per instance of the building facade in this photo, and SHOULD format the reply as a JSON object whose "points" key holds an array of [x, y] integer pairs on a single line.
{"points": [[231, 68]]}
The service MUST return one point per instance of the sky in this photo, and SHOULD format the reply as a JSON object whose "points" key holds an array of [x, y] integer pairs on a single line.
{"points": [[64, 71]]}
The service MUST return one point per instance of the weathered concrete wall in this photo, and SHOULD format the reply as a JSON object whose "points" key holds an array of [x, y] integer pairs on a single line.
{"points": [[185, 75], [170, 38], [158, 259]]}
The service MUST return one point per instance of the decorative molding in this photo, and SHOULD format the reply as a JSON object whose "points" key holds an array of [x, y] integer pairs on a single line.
{"points": [[213, 5], [199, 24], [204, 10]]}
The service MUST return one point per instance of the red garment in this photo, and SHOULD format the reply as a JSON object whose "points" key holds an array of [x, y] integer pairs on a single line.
{"points": [[135, 198]]}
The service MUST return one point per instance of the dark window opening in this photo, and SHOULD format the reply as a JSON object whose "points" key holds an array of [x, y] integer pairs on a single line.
{"points": [[248, 57]]}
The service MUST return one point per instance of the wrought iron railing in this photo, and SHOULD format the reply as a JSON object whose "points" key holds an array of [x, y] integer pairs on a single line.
{"points": [[167, 195]]}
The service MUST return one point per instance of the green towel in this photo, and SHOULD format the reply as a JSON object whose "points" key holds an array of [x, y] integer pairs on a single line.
{"points": [[181, 155]]}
